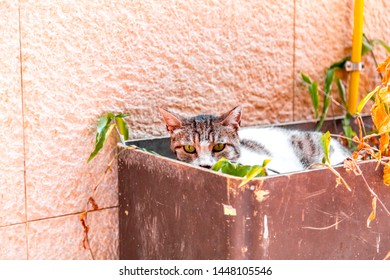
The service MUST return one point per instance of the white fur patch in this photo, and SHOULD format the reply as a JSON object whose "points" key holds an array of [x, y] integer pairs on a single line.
{"points": [[283, 158], [277, 142]]}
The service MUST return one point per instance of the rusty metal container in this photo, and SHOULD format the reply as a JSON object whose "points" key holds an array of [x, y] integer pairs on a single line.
{"points": [[172, 210]]}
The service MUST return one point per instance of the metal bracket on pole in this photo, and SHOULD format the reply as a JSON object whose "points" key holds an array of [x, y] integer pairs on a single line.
{"points": [[352, 66]]}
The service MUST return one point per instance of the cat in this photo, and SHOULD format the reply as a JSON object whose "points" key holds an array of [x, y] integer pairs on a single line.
{"points": [[203, 139]]}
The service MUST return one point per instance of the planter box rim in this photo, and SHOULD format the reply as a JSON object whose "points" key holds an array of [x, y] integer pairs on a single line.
{"points": [[338, 167], [284, 124]]}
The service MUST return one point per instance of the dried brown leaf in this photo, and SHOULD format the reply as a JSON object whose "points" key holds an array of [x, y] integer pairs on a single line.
{"points": [[386, 175], [385, 125], [384, 94], [384, 144], [384, 67], [338, 182], [355, 155], [378, 112], [85, 242], [83, 217], [373, 141], [351, 165], [93, 203]]}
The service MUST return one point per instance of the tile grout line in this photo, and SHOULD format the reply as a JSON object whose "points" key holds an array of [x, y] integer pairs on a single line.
{"points": [[59, 216], [294, 58], [23, 120]]}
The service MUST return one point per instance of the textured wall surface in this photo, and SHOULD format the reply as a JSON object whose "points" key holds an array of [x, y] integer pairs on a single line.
{"points": [[323, 32], [324, 37], [59, 238], [12, 197], [376, 26], [13, 242], [65, 63]]}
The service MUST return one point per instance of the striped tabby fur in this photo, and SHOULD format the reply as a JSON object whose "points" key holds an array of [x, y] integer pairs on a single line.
{"points": [[289, 150]]}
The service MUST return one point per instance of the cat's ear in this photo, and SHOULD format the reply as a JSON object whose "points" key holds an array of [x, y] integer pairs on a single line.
{"points": [[173, 122], [233, 117]]}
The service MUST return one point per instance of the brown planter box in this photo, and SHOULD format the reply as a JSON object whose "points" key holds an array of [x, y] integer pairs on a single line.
{"points": [[171, 210]]}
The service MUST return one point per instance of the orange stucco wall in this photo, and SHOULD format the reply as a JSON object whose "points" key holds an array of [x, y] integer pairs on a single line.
{"points": [[65, 63]]}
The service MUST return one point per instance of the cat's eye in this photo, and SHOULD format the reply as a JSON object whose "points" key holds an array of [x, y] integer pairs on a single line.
{"points": [[218, 147], [189, 149]]}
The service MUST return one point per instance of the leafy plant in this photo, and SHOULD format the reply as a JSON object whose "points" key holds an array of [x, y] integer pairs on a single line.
{"points": [[107, 123], [248, 172], [331, 77], [325, 143], [105, 126], [348, 131], [380, 114]]}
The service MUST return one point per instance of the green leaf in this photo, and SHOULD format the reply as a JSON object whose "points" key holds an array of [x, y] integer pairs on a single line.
{"points": [[329, 75], [382, 43], [254, 171], [325, 143], [313, 91], [341, 88], [340, 64], [265, 162], [306, 78], [104, 121], [366, 46], [238, 170], [327, 101], [218, 165], [326, 105], [122, 116], [346, 122], [242, 170], [348, 131], [105, 127], [105, 132], [122, 127], [363, 102], [229, 168], [225, 166]]}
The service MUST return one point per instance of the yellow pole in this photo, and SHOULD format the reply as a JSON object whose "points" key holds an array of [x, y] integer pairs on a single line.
{"points": [[357, 40]]}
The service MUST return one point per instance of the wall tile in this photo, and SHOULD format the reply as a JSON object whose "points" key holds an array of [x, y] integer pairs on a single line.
{"points": [[61, 238], [13, 242], [56, 239], [323, 32], [12, 202], [325, 37], [82, 60], [12, 197], [104, 234], [376, 24]]}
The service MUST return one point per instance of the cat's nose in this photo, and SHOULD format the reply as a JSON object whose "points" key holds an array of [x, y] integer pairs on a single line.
{"points": [[206, 166]]}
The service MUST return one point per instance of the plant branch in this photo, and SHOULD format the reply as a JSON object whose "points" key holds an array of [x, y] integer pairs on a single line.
{"points": [[372, 191], [91, 200], [372, 54]]}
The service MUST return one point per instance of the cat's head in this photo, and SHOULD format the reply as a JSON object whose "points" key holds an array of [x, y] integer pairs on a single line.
{"points": [[203, 139]]}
